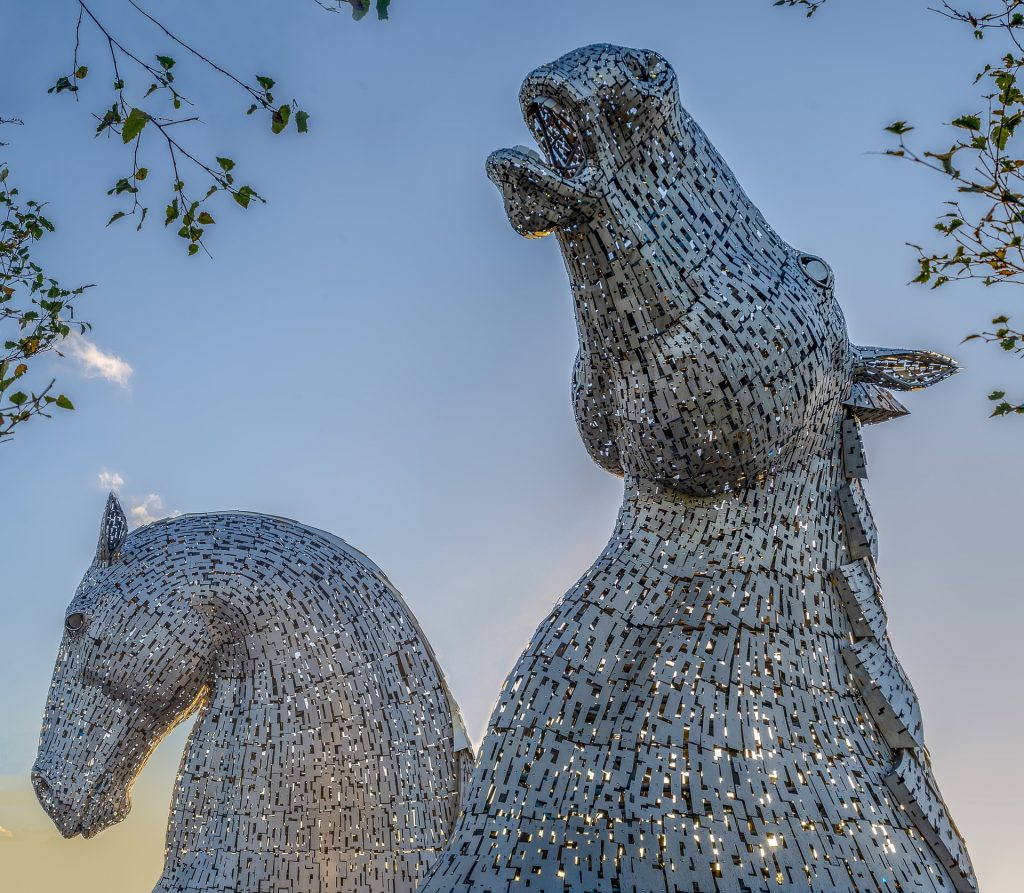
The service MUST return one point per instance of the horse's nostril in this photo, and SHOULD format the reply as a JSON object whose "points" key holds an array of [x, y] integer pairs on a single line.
{"points": [[41, 785]]}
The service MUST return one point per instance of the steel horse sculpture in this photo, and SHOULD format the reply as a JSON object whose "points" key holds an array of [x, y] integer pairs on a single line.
{"points": [[715, 705], [327, 755]]}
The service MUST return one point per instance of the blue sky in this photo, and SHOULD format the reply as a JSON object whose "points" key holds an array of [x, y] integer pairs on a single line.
{"points": [[376, 353]]}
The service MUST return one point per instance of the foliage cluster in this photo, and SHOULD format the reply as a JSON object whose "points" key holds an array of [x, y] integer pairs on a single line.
{"points": [[146, 109], [36, 312], [983, 224]]}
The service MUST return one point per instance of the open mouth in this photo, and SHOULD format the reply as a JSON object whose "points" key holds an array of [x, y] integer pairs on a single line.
{"points": [[550, 193], [556, 133]]}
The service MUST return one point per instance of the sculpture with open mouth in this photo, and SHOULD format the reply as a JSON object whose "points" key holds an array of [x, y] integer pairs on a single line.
{"points": [[716, 704]]}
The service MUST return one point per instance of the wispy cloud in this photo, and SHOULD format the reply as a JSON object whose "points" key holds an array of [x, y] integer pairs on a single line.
{"points": [[148, 510], [5, 834], [110, 480], [96, 362], [141, 510]]}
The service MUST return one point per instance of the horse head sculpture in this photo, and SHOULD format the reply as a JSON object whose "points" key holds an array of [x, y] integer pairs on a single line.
{"points": [[328, 753], [711, 352], [130, 668], [715, 705]]}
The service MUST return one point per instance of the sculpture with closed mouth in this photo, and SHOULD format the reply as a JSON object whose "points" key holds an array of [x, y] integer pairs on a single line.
{"points": [[326, 754]]}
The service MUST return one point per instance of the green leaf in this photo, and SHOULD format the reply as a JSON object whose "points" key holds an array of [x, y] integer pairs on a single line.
{"points": [[193, 248], [1000, 135], [172, 212], [142, 173], [265, 82], [382, 8], [133, 124], [63, 84], [968, 122], [302, 121], [64, 403], [226, 164], [18, 398], [114, 217], [205, 218], [111, 116], [244, 195], [81, 71], [166, 62], [946, 160], [122, 186], [279, 120], [997, 395], [899, 128], [359, 8]]}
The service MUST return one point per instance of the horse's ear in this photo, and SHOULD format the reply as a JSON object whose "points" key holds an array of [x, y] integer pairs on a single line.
{"points": [[113, 531], [900, 369]]}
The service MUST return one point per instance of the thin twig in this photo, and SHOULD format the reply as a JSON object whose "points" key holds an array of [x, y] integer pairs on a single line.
{"points": [[253, 93]]}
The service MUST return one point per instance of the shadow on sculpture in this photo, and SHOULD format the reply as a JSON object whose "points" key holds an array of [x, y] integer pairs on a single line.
{"points": [[715, 705], [328, 754]]}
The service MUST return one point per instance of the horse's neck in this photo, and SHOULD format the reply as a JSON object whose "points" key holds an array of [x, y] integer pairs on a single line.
{"points": [[776, 542], [257, 797], [318, 721], [242, 750]]}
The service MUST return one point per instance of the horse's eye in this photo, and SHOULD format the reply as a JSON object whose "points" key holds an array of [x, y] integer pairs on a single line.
{"points": [[74, 623], [645, 67], [816, 269]]}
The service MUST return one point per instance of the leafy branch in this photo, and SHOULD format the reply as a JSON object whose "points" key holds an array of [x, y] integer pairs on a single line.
{"points": [[812, 6], [36, 312], [150, 109], [1007, 18], [4, 120], [984, 224], [359, 7], [1012, 341]]}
